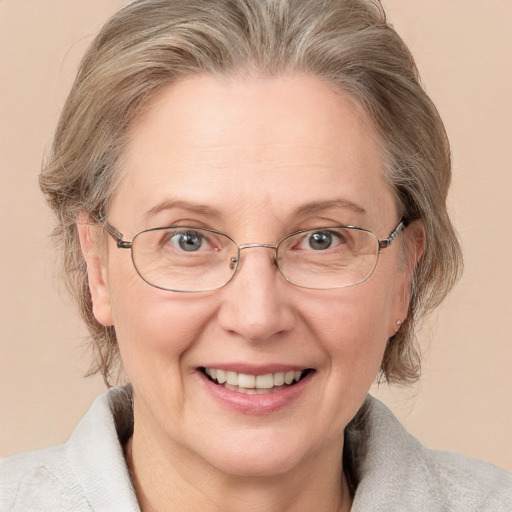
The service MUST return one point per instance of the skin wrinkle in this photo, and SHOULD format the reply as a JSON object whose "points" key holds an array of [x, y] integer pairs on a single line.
{"points": [[207, 211], [258, 317], [82, 169]]}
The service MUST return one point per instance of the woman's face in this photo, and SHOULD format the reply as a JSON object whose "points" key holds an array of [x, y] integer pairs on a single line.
{"points": [[257, 159]]}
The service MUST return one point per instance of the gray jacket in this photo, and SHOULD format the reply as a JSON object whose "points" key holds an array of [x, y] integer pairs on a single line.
{"points": [[391, 470]]}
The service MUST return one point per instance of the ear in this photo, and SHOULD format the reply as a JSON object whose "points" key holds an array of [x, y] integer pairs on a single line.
{"points": [[413, 245], [95, 256]]}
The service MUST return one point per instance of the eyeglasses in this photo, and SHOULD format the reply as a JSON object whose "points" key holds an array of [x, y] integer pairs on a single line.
{"points": [[190, 259]]}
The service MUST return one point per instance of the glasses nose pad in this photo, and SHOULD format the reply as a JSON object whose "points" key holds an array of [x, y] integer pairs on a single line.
{"points": [[233, 263]]}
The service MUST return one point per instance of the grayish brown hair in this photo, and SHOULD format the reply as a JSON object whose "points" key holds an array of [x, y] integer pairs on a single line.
{"points": [[346, 43]]}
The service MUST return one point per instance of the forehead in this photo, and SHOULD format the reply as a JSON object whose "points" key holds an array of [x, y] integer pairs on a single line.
{"points": [[252, 144]]}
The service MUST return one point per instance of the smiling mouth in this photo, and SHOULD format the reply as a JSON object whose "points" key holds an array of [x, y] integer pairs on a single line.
{"points": [[255, 384]]}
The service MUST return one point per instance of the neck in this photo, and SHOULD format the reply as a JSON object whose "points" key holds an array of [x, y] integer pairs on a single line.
{"points": [[163, 485]]}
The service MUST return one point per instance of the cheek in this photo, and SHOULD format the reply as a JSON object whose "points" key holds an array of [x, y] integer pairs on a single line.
{"points": [[352, 327], [349, 326], [155, 328]]}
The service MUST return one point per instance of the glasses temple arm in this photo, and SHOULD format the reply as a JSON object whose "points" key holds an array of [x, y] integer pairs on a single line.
{"points": [[118, 237], [386, 242]]}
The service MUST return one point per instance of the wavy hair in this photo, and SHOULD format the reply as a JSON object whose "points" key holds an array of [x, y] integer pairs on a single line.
{"points": [[347, 43]]}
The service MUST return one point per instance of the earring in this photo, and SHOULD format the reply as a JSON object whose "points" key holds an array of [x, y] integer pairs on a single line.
{"points": [[398, 325]]}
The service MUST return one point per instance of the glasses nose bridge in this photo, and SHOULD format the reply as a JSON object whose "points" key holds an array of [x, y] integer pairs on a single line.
{"points": [[255, 246], [251, 246], [236, 262]]}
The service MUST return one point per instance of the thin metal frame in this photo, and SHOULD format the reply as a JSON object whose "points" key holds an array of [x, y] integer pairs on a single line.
{"points": [[383, 243]]}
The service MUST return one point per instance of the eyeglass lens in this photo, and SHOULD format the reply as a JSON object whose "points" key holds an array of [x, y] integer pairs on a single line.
{"points": [[193, 259]]}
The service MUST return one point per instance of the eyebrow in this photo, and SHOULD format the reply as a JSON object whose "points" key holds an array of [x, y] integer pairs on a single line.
{"points": [[308, 208], [184, 205], [317, 206]]}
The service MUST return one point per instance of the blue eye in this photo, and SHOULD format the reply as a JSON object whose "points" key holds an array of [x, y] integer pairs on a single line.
{"points": [[320, 240], [188, 241]]}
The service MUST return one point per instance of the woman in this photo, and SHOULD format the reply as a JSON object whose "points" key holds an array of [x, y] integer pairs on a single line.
{"points": [[252, 202]]}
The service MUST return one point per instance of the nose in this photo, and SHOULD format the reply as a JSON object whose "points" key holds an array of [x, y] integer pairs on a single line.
{"points": [[256, 304]]}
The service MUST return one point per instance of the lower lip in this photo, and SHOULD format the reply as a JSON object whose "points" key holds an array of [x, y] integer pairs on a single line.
{"points": [[257, 404]]}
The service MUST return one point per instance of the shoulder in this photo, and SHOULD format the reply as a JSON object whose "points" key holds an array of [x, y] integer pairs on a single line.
{"points": [[87, 473], [394, 468], [477, 484], [39, 480]]}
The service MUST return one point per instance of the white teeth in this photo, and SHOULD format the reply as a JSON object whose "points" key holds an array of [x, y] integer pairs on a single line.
{"points": [[246, 382], [278, 379], [250, 391], [265, 381], [288, 377], [232, 378]]}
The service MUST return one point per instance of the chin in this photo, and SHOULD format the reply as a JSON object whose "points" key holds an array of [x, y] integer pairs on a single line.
{"points": [[259, 454], [257, 465]]}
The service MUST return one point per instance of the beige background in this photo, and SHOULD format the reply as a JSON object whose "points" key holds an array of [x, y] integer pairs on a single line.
{"points": [[463, 401]]}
